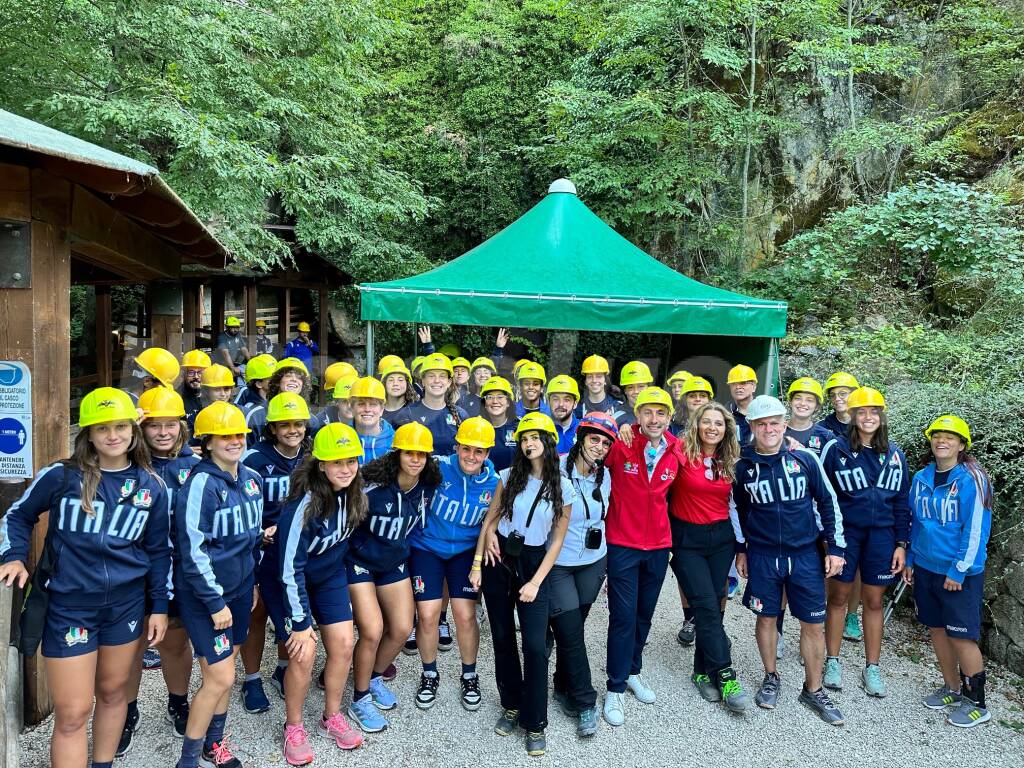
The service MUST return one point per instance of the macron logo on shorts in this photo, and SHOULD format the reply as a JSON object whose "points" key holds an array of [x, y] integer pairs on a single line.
{"points": [[817, 613], [132, 625], [950, 628]]}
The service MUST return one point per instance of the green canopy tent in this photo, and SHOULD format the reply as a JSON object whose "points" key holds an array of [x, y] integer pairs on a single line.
{"points": [[559, 266]]}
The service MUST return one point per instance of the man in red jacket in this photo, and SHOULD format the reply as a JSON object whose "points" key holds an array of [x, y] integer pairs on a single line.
{"points": [[639, 540]]}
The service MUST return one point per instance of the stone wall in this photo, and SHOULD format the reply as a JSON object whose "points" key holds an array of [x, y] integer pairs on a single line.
{"points": [[1003, 638]]}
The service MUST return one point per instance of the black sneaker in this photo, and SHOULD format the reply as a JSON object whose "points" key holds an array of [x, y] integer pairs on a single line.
{"points": [[471, 693], [219, 757], [131, 725], [768, 696], [426, 694], [820, 703], [444, 637], [410, 648], [687, 633], [178, 718]]}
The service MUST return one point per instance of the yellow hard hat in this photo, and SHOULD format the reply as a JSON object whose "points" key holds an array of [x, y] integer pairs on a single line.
{"points": [[368, 387], [449, 350], [416, 363], [461, 362], [808, 385], [260, 367], [106, 404], [196, 358], [335, 371], [292, 362], [496, 384], [220, 418], [595, 364], [635, 372], [565, 385], [287, 406], [697, 384], [232, 322], [161, 403], [654, 396], [343, 388], [741, 373], [483, 362], [864, 397], [679, 375], [840, 379], [476, 432], [519, 364], [436, 362], [261, 323], [160, 364], [303, 327], [950, 423], [413, 437], [387, 361], [336, 441], [535, 421], [398, 367], [217, 376], [532, 370]]}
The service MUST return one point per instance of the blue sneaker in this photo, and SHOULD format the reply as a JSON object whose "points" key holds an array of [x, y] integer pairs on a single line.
{"points": [[734, 586], [367, 716], [382, 695], [151, 659], [277, 680], [254, 700]]}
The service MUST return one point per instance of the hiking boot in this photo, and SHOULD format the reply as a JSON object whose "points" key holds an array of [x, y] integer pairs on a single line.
{"points": [[444, 637], [820, 703], [366, 715], [968, 714], [687, 633], [942, 698], [832, 678], [732, 694], [851, 629], [639, 688], [426, 694], [587, 725], [296, 747], [707, 689], [471, 693], [768, 695], [507, 723], [872, 683], [536, 744], [337, 727], [614, 713]]}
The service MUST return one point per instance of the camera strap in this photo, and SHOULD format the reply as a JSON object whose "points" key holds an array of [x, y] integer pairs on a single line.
{"points": [[533, 507]]}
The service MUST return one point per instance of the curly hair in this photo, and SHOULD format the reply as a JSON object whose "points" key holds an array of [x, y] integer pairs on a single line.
{"points": [[274, 385], [308, 478], [384, 471], [727, 452], [550, 478]]}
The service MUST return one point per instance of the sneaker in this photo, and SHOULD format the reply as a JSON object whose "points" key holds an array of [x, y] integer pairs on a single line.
{"points": [[736, 699], [471, 693], [780, 647], [383, 697], [968, 714], [562, 699], [613, 710], [367, 716], [131, 725], [942, 698], [871, 681], [254, 700], [707, 690], [337, 727], [151, 659], [390, 673], [277, 680], [734, 587], [833, 675], [536, 744], [507, 723], [444, 637], [296, 745], [639, 688], [410, 649], [426, 694], [178, 718], [687, 633], [767, 696], [851, 629], [219, 757], [587, 725], [820, 703]]}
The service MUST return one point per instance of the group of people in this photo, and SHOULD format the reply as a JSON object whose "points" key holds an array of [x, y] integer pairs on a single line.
{"points": [[187, 517]]}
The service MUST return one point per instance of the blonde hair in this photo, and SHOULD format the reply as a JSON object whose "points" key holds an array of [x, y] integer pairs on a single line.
{"points": [[727, 452]]}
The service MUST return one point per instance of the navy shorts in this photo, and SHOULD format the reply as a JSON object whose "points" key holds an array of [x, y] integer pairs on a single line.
{"points": [[959, 613], [430, 572], [358, 574], [77, 630], [328, 602], [801, 577], [215, 644], [870, 550]]}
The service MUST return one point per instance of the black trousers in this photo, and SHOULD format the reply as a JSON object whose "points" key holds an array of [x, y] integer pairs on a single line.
{"points": [[578, 587], [701, 558], [522, 686]]}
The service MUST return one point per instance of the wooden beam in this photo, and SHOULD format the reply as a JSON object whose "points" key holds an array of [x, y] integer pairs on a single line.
{"points": [[189, 314], [104, 338], [104, 180], [15, 192], [216, 308], [251, 300], [284, 316]]}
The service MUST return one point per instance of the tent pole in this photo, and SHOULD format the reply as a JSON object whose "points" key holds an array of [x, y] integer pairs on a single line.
{"points": [[369, 348], [774, 372]]}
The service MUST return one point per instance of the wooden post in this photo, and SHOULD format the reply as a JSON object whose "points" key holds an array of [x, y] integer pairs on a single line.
{"points": [[284, 316], [11, 704], [216, 309], [251, 296], [104, 341], [165, 301], [189, 314]]}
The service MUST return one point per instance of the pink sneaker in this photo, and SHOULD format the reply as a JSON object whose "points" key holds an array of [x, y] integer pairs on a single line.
{"points": [[336, 727], [296, 746]]}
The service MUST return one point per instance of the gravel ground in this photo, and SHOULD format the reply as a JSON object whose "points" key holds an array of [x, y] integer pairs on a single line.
{"points": [[679, 729]]}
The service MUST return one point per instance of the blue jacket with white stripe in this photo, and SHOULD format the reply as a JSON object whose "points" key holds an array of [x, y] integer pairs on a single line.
{"points": [[381, 542], [276, 470], [217, 530], [457, 510], [871, 488], [950, 525]]}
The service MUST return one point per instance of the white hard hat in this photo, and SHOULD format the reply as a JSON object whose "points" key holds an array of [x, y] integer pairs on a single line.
{"points": [[764, 406]]}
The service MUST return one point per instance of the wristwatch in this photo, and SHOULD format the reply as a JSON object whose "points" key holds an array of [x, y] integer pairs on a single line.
{"points": [[903, 544]]}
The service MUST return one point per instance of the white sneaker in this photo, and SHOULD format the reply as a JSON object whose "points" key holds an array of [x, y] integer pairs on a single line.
{"points": [[780, 647], [640, 689], [613, 711]]}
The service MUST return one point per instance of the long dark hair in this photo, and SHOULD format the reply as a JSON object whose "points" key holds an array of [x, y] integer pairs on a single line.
{"points": [[879, 440], [550, 477], [574, 453], [268, 436], [87, 461], [384, 471], [308, 478]]}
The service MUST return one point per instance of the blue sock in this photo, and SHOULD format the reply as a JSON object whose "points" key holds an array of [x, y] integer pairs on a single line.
{"points": [[191, 749], [469, 670], [215, 733], [107, 764], [430, 666], [359, 695]]}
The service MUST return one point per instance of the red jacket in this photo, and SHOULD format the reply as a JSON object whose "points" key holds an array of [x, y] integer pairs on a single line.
{"points": [[638, 513]]}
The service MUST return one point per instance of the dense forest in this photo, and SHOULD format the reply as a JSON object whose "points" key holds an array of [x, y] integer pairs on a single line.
{"points": [[859, 159]]}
